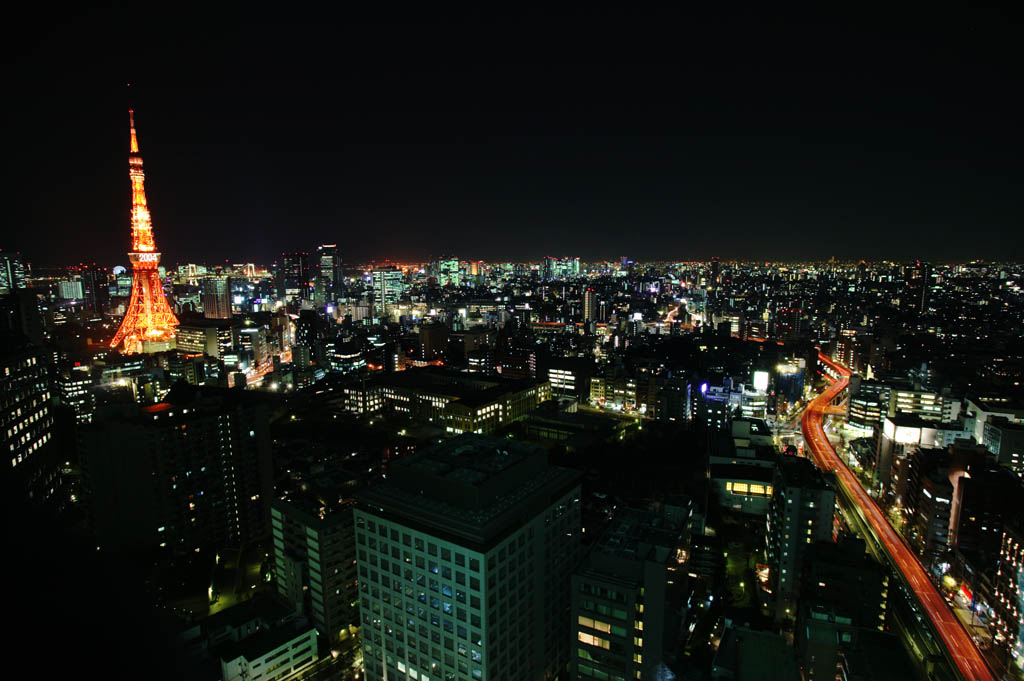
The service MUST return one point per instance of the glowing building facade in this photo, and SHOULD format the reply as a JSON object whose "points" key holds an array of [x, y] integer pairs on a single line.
{"points": [[148, 324]]}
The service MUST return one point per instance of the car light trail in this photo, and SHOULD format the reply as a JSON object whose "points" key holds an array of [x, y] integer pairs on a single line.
{"points": [[966, 656]]}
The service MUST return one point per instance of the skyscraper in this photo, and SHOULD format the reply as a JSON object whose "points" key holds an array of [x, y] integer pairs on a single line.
{"points": [[314, 562], [28, 422], [293, 275], [465, 556], [621, 601], [148, 324], [449, 272], [190, 472], [75, 389], [560, 268], [12, 272], [589, 305], [802, 509], [329, 274], [95, 286], [388, 284], [217, 297]]}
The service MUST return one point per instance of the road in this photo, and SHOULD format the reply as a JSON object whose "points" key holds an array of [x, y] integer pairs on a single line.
{"points": [[968, 659]]}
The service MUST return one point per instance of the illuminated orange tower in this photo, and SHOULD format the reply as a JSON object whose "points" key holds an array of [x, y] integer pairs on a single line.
{"points": [[148, 324]]}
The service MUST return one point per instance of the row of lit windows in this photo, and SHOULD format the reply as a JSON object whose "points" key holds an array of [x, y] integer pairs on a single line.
{"points": [[749, 489]]}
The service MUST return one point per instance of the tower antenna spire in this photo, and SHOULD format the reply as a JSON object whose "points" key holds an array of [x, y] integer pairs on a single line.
{"points": [[135, 141], [131, 120]]}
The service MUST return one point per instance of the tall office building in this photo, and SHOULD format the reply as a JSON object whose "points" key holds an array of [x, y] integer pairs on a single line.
{"points": [[433, 340], [12, 272], [314, 563], [75, 389], [27, 422], [449, 271], [1008, 583], [868, 404], [191, 472], [254, 339], [927, 404], [926, 490], [801, 513], [842, 614], [589, 305], [215, 338], [388, 284], [95, 287], [1004, 439], [293, 275], [622, 605], [920, 284], [217, 297], [465, 556], [329, 274], [70, 289], [560, 268]]}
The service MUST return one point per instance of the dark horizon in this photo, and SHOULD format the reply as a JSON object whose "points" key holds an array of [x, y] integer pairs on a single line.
{"points": [[670, 137]]}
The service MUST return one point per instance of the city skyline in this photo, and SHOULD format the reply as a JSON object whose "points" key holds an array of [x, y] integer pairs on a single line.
{"points": [[543, 346], [736, 144]]}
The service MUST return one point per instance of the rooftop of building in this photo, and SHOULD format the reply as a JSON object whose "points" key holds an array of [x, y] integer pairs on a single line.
{"points": [[991, 476], [1003, 423], [313, 512], [632, 538], [724, 447], [182, 397], [551, 413], [472, 487], [999, 405], [266, 608], [797, 471], [877, 656], [637, 534], [265, 640], [756, 655], [746, 427], [184, 394], [470, 389]]}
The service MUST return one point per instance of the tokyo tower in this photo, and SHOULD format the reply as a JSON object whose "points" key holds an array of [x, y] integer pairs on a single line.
{"points": [[148, 324]]}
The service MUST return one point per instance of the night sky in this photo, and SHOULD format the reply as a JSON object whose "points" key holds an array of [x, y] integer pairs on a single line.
{"points": [[670, 136]]}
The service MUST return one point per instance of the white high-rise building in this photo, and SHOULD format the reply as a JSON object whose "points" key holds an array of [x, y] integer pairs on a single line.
{"points": [[465, 557], [388, 284]]}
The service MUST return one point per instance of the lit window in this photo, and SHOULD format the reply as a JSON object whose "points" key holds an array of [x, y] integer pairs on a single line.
{"points": [[592, 640], [595, 624]]}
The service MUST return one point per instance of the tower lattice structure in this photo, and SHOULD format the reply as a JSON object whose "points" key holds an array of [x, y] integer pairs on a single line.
{"points": [[148, 319]]}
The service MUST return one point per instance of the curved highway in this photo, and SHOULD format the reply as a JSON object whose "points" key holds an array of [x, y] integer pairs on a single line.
{"points": [[968, 659]]}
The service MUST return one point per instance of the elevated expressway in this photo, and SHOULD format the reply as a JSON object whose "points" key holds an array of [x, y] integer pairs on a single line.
{"points": [[960, 648]]}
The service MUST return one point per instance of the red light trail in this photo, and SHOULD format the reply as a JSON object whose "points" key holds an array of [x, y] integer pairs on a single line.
{"points": [[968, 659]]}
